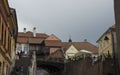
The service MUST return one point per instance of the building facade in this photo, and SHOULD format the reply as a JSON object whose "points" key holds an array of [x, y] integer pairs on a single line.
{"points": [[107, 47], [8, 36], [28, 43], [107, 42], [29, 40], [75, 50]]}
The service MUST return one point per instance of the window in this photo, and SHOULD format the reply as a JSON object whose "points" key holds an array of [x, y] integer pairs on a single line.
{"points": [[7, 34], [2, 30], [38, 47], [4, 37], [25, 48], [32, 47], [3, 34], [9, 46], [106, 38]]}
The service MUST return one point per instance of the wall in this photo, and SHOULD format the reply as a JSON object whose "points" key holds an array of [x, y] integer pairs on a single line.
{"points": [[85, 67], [71, 52], [105, 45]]}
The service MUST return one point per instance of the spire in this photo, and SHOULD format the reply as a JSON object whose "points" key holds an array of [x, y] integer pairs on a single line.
{"points": [[70, 40], [85, 40]]}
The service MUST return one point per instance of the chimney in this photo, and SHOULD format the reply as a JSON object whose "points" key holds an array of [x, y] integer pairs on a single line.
{"points": [[34, 31], [24, 30]]}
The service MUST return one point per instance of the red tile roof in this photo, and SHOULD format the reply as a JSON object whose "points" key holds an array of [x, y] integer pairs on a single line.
{"points": [[35, 40], [27, 34], [22, 40], [29, 38], [52, 50], [42, 35], [53, 37], [80, 46], [30, 34], [52, 40], [57, 54], [53, 43]]}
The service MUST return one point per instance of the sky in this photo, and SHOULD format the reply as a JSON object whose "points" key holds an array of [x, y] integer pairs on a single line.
{"points": [[80, 19]]}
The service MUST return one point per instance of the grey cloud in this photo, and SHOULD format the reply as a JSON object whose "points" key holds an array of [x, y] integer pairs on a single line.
{"points": [[80, 18]]}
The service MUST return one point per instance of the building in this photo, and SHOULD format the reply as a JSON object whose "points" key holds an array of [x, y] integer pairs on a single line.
{"points": [[29, 40], [107, 42], [54, 49], [8, 37], [53, 43], [28, 43], [57, 55], [49, 47], [78, 49], [106, 49]]}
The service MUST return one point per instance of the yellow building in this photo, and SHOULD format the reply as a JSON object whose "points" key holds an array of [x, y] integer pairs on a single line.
{"points": [[8, 36], [107, 42]]}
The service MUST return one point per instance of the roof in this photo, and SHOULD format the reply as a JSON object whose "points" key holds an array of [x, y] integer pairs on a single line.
{"points": [[53, 37], [35, 40], [52, 40], [53, 43], [27, 34], [30, 34], [57, 54], [42, 35], [108, 30], [29, 38], [22, 40], [14, 16], [80, 46], [52, 50]]}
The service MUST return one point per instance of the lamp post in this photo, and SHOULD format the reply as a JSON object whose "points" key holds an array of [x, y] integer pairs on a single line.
{"points": [[117, 23]]}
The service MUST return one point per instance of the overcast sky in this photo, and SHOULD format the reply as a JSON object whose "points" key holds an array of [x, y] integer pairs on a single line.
{"points": [[82, 19]]}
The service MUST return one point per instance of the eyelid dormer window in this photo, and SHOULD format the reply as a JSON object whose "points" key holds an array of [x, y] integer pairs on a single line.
{"points": [[106, 38]]}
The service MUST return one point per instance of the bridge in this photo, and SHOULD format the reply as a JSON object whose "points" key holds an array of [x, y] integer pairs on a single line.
{"points": [[50, 66]]}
